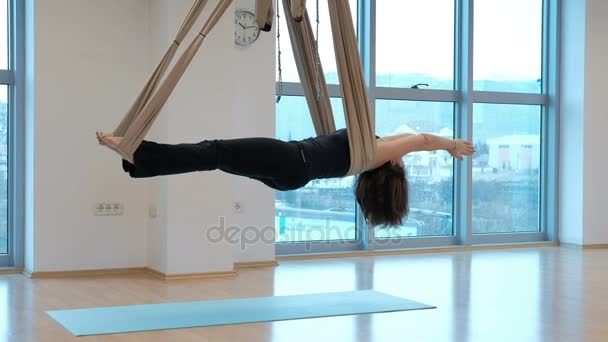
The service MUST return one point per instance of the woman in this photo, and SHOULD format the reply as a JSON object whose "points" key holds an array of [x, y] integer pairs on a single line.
{"points": [[382, 192]]}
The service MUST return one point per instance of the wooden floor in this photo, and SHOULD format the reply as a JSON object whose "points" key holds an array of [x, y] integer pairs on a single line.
{"points": [[541, 294]]}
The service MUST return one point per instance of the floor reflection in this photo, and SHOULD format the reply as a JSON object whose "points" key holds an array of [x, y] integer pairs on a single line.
{"points": [[424, 279], [540, 294], [308, 277], [4, 316], [504, 296]]}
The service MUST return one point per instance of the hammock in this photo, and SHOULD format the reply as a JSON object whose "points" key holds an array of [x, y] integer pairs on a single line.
{"points": [[359, 122]]}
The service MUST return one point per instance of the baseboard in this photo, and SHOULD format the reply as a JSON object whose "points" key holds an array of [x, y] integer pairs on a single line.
{"points": [[183, 276], [8, 270], [426, 250], [359, 254], [124, 271], [83, 273], [584, 246], [596, 246], [136, 270], [154, 273], [255, 264], [516, 245]]}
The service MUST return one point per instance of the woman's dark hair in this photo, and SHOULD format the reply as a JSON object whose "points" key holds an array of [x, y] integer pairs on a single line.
{"points": [[382, 193]]}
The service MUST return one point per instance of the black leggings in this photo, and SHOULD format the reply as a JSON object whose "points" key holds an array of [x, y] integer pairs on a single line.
{"points": [[278, 164]]}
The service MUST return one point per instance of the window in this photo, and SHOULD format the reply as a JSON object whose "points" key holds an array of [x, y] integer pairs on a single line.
{"points": [[4, 170], [415, 43], [506, 169], [11, 56], [508, 51], [429, 174], [326, 45], [323, 210], [4, 129], [479, 70]]}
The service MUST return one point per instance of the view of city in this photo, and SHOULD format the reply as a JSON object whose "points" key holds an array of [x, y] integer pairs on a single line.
{"points": [[506, 169], [3, 175], [4, 48], [413, 50]]}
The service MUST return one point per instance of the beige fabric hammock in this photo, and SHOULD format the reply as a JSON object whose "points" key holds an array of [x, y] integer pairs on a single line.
{"points": [[359, 118], [361, 131], [142, 114], [304, 51], [357, 112]]}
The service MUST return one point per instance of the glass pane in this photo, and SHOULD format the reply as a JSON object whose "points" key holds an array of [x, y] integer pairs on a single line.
{"points": [[415, 43], [508, 45], [3, 169], [326, 45], [325, 208], [4, 24], [430, 174], [506, 168]]}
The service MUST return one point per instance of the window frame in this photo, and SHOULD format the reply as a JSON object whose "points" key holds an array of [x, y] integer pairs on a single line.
{"points": [[13, 78], [463, 97]]}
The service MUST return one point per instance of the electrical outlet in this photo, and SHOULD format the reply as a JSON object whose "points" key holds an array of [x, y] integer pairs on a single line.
{"points": [[153, 212], [108, 209], [237, 207]]}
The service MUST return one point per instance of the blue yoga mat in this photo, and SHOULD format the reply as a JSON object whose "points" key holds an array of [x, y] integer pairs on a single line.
{"points": [[123, 319]]}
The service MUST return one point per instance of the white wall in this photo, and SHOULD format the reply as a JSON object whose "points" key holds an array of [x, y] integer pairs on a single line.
{"points": [[227, 92], [572, 120], [29, 135], [255, 116], [156, 232], [89, 59], [596, 123]]}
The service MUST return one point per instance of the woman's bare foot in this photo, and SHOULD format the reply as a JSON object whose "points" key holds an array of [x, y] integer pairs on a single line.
{"points": [[108, 140], [99, 136], [112, 142]]}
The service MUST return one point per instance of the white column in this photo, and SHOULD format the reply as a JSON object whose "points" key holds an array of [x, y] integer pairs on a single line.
{"points": [[572, 118], [596, 124], [85, 62], [584, 121], [227, 92], [29, 211]]}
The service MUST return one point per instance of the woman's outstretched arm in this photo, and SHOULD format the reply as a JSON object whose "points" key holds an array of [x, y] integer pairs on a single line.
{"points": [[397, 148], [397, 136]]}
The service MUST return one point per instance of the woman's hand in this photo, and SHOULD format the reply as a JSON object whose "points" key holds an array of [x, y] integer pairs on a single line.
{"points": [[461, 148]]}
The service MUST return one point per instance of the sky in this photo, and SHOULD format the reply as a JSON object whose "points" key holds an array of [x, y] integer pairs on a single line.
{"points": [[416, 36]]}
